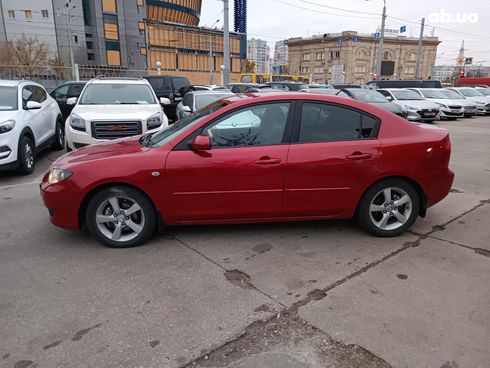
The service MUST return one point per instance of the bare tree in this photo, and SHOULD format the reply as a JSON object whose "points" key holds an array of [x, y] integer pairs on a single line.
{"points": [[25, 57]]}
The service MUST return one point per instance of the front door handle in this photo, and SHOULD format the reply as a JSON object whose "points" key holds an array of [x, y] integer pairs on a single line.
{"points": [[267, 161], [359, 156]]}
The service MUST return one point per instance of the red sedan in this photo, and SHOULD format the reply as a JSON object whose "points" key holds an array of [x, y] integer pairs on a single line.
{"points": [[255, 158]]}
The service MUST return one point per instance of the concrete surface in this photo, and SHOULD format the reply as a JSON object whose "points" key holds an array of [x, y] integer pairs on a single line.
{"points": [[270, 360], [232, 293], [426, 307]]}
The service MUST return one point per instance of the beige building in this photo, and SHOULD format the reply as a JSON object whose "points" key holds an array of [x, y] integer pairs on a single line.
{"points": [[350, 57]]}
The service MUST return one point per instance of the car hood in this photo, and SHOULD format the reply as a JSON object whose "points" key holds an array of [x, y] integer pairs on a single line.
{"points": [[8, 115], [107, 150], [418, 104], [116, 112], [480, 99], [448, 101]]}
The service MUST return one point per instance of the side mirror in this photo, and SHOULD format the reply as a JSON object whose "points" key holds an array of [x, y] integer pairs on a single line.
{"points": [[33, 105], [186, 108], [164, 101], [389, 98], [72, 101], [201, 143]]}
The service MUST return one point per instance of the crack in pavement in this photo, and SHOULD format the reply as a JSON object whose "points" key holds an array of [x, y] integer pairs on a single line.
{"points": [[481, 251], [234, 348]]}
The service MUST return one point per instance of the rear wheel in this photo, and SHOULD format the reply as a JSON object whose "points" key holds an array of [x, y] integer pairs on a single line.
{"points": [[389, 208], [26, 155], [59, 137], [120, 217]]}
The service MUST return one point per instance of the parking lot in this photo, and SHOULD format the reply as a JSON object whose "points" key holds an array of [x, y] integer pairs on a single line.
{"points": [[312, 294]]}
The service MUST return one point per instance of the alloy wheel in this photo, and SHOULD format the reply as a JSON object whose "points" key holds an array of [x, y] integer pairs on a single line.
{"points": [[390, 208], [28, 155]]}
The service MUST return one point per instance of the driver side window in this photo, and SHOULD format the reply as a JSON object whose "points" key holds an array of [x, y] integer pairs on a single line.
{"points": [[260, 125], [61, 93], [27, 95]]}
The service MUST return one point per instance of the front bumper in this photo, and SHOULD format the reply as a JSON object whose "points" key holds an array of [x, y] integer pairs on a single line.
{"points": [[416, 116], [63, 202], [452, 113], [8, 150]]}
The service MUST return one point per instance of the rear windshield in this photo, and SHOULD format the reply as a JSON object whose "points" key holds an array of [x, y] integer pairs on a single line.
{"points": [[8, 98]]}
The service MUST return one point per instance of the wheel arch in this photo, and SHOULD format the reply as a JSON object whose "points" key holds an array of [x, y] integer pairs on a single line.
{"points": [[86, 200], [414, 183], [27, 132]]}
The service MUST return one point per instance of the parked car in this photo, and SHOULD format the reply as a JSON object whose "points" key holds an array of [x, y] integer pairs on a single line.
{"points": [[247, 87], [450, 109], [320, 86], [169, 86], [30, 120], [468, 105], [322, 91], [428, 83], [482, 102], [64, 92], [111, 108], [209, 87], [196, 100], [375, 98], [341, 86], [293, 156], [485, 91], [287, 86], [417, 106]]}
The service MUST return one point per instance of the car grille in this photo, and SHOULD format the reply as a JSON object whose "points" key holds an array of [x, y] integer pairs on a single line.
{"points": [[470, 107], [115, 129], [428, 113], [455, 107]]}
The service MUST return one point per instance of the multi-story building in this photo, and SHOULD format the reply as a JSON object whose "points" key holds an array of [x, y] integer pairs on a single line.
{"points": [[350, 57], [281, 55], [258, 52], [445, 72]]}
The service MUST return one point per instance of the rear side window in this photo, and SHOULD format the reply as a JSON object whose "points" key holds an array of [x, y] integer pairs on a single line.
{"points": [[160, 84], [180, 82], [60, 92], [330, 123], [75, 90], [39, 94]]}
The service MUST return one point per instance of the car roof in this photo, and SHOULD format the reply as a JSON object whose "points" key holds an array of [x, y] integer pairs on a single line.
{"points": [[212, 92], [119, 81], [15, 83]]}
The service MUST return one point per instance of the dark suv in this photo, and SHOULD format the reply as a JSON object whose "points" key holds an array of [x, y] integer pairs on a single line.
{"points": [[288, 86], [171, 87]]}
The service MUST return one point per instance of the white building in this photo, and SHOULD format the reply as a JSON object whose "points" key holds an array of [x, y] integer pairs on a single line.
{"points": [[444, 72], [281, 53], [258, 52]]}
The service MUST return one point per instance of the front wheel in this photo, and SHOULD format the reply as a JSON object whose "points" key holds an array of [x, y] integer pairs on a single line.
{"points": [[389, 208], [26, 155], [120, 217]]}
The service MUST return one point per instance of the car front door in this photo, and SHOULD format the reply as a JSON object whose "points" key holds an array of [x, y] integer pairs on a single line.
{"points": [[241, 176], [332, 158]]}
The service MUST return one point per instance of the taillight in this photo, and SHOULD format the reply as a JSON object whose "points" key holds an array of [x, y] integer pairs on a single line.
{"points": [[447, 145]]}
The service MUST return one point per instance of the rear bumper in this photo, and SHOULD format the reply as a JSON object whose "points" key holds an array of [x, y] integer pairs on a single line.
{"points": [[437, 186], [63, 203]]}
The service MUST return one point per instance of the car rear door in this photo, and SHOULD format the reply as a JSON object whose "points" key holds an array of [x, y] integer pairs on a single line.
{"points": [[242, 176], [332, 158]]}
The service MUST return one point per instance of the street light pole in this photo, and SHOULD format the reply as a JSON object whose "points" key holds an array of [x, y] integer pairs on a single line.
{"points": [[419, 50], [74, 70], [381, 40], [226, 44]]}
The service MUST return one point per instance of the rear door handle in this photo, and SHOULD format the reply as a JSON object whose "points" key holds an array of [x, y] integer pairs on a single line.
{"points": [[359, 156], [267, 161]]}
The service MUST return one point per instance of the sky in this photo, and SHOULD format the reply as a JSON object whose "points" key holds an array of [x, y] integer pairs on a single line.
{"points": [[451, 20]]}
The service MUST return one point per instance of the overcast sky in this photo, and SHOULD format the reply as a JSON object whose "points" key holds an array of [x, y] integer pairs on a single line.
{"points": [[454, 20]]}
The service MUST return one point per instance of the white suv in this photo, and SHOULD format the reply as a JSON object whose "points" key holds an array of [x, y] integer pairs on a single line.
{"points": [[30, 120], [111, 108]]}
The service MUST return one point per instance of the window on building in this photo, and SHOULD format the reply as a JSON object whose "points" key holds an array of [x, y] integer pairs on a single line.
{"points": [[113, 57], [90, 45], [109, 6], [111, 32], [306, 57], [143, 50], [305, 70], [110, 18], [361, 69], [91, 56], [11, 14], [87, 18], [320, 55], [75, 38], [319, 70], [45, 13], [28, 14], [139, 3], [334, 55], [141, 26]]}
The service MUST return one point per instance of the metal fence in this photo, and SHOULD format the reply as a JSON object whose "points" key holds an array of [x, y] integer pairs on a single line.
{"points": [[53, 76]]}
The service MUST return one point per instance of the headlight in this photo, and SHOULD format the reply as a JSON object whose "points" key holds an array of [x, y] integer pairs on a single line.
{"points": [[77, 123], [441, 105], [154, 121], [57, 175], [480, 103], [410, 108], [7, 126]]}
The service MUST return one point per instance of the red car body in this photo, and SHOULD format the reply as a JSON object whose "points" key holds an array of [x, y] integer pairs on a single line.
{"points": [[255, 184]]}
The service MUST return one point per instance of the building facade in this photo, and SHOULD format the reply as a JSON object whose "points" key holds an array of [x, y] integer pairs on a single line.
{"points": [[281, 56], [445, 72], [350, 57], [259, 53]]}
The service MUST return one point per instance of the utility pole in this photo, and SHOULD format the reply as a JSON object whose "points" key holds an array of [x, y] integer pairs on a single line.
{"points": [[67, 13], [226, 44], [419, 50], [381, 40]]}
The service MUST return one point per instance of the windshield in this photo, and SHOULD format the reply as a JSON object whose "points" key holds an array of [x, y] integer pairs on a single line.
{"points": [[117, 94], [470, 92], [407, 95], [366, 95], [452, 94], [160, 138], [484, 91], [206, 99], [297, 87], [429, 93], [8, 98]]}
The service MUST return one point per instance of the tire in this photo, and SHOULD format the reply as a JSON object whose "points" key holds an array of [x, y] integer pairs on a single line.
{"points": [[26, 155], [59, 136], [398, 218], [126, 229]]}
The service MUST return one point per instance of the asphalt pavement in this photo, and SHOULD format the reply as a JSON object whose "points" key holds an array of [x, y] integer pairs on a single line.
{"points": [[295, 295]]}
